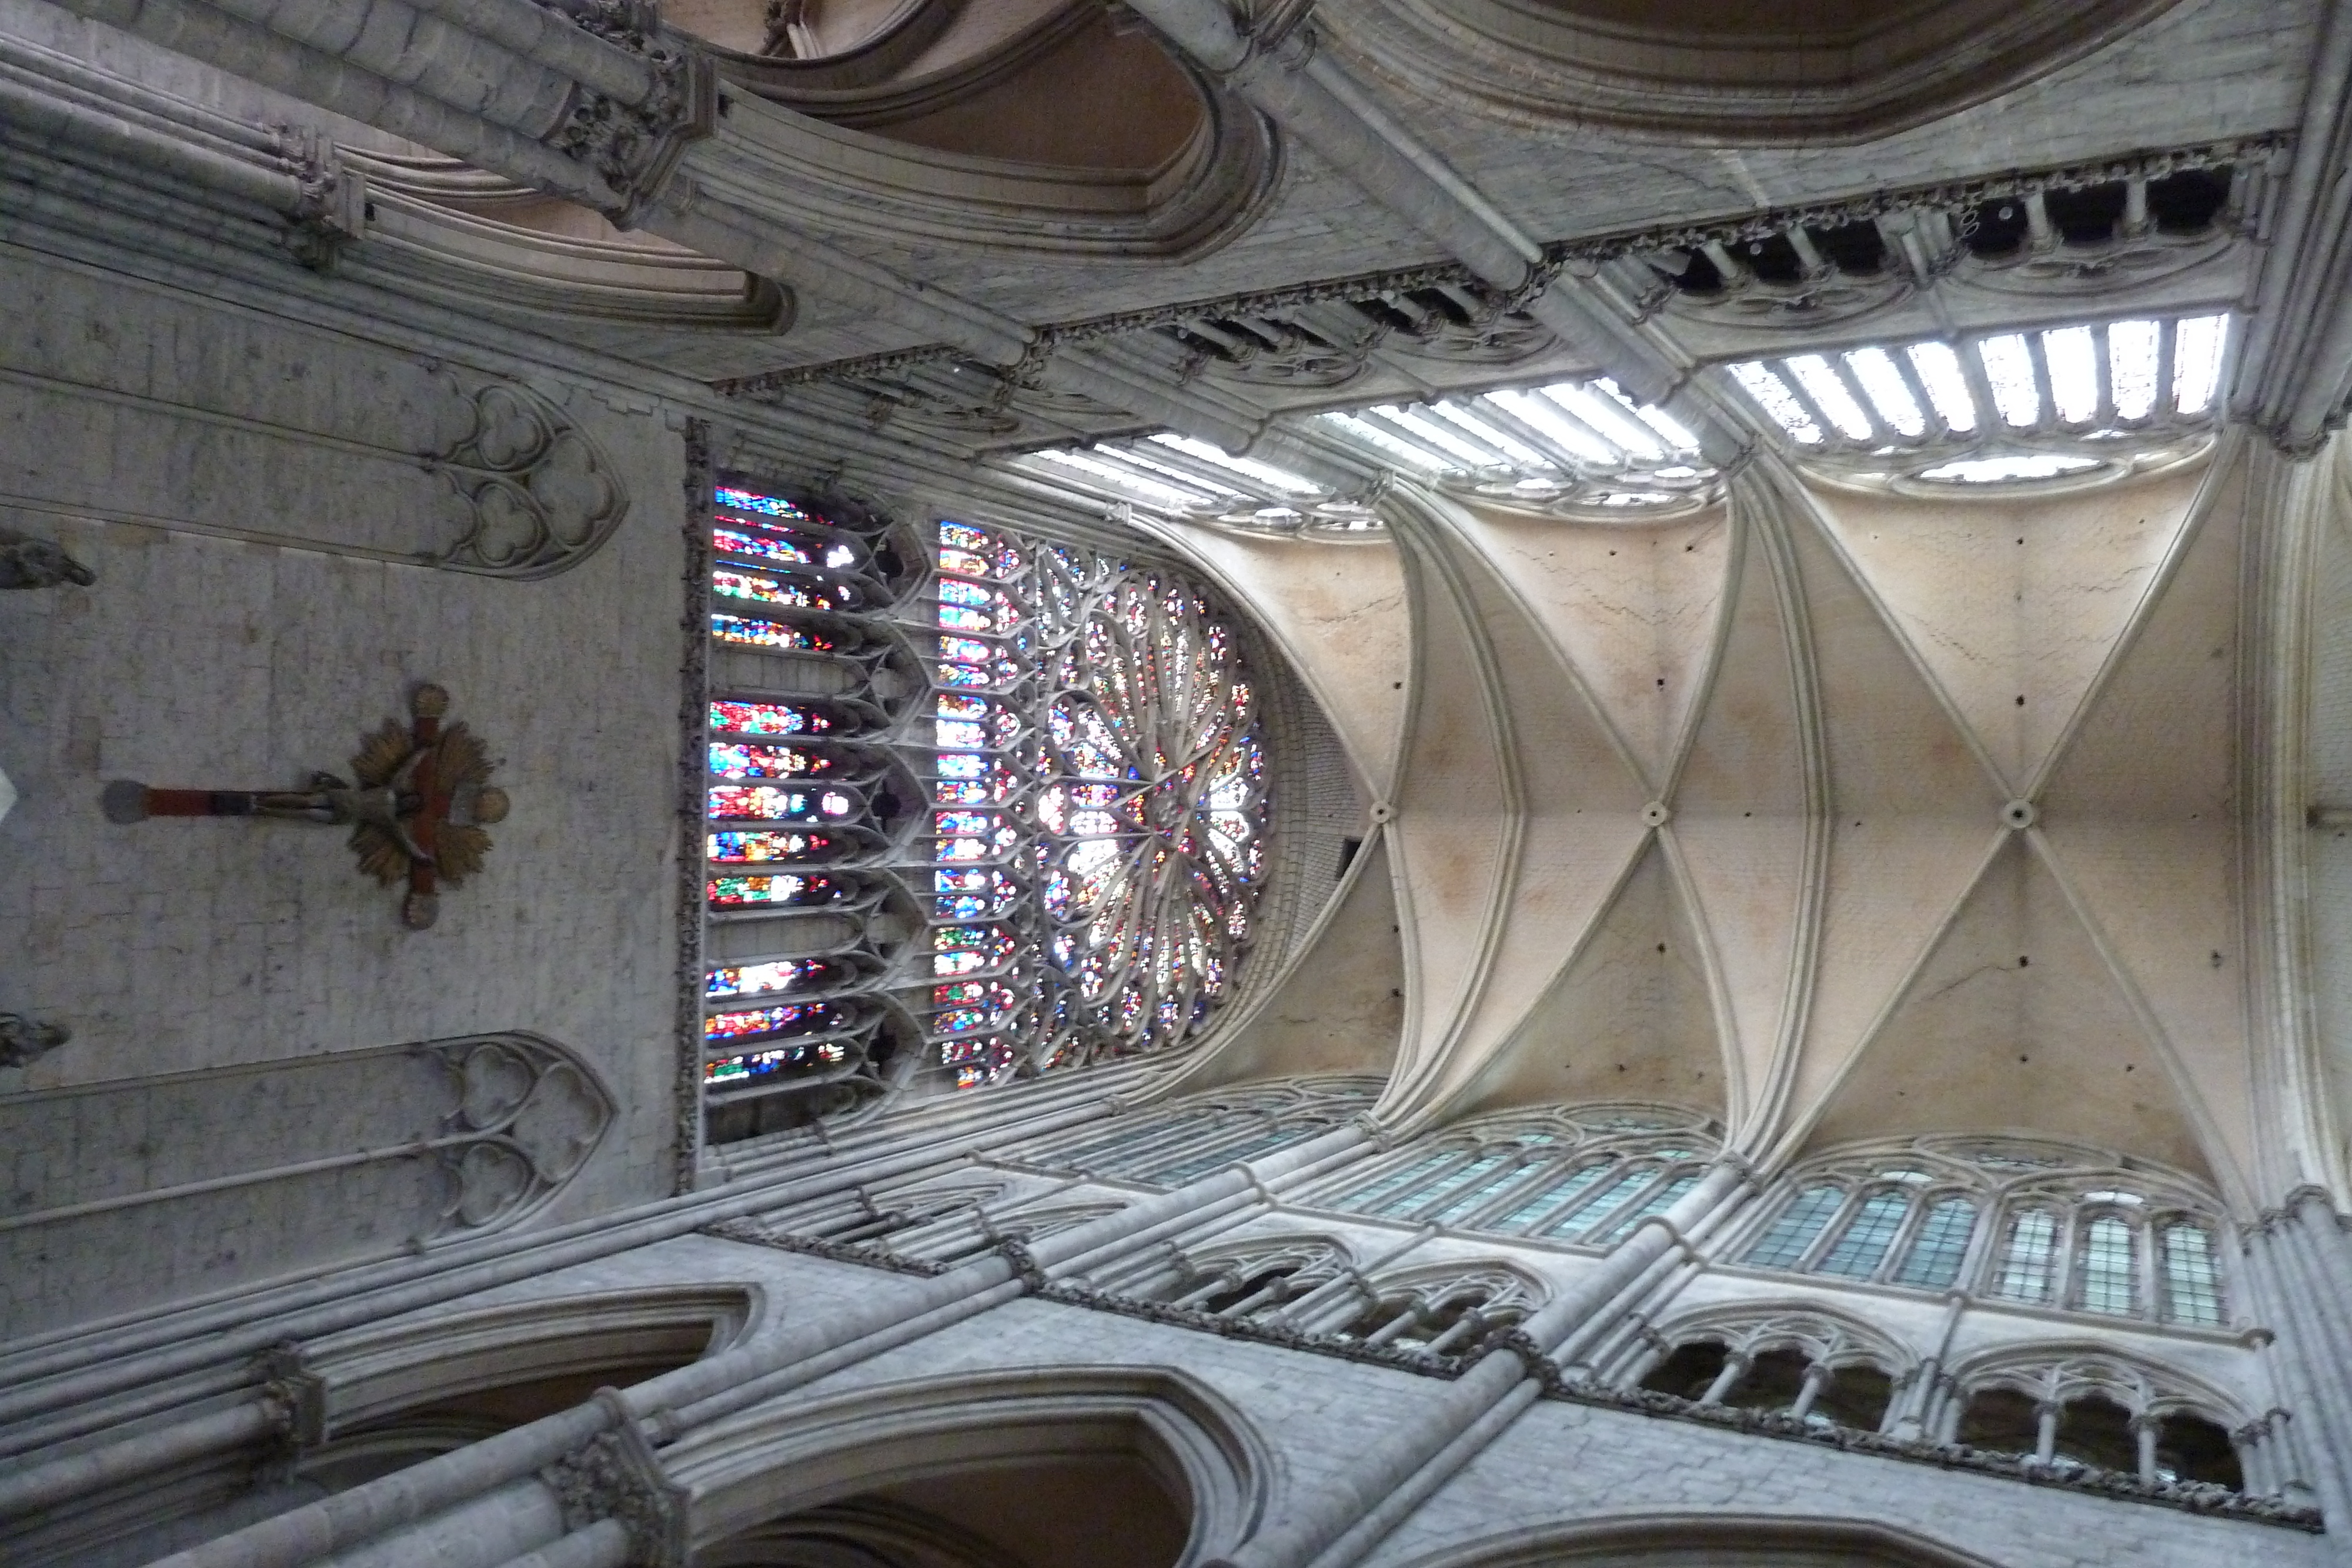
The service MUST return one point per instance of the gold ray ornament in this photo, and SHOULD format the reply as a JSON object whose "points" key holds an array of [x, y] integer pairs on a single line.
{"points": [[418, 807]]}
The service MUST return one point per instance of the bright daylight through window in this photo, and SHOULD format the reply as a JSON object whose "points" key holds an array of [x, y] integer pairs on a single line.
{"points": [[2007, 406]]}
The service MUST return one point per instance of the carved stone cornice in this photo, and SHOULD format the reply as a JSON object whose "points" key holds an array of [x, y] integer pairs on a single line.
{"points": [[1947, 194], [865, 1256], [1540, 1368], [2190, 1496], [1420, 1362]]}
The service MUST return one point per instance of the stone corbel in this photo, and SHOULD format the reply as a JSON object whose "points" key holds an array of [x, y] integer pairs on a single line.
{"points": [[616, 1475], [297, 1393], [331, 204]]}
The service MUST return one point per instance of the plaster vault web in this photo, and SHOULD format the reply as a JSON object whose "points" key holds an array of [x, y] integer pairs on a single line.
{"points": [[1830, 811]]}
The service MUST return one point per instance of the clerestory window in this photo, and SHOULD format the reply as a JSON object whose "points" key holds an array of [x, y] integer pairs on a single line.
{"points": [[2009, 1224]]}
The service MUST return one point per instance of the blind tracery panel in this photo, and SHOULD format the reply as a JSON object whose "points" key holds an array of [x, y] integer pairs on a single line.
{"points": [[1033, 776]]}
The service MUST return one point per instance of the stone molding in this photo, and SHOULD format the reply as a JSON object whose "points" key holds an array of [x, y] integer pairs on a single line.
{"points": [[2191, 1497], [693, 778]]}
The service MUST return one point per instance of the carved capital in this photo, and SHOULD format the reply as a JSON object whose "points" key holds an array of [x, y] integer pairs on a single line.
{"points": [[1025, 1267], [1519, 1342], [616, 1475], [330, 211], [635, 148]]}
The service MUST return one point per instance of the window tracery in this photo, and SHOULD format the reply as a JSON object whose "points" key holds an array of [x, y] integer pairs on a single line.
{"points": [[1182, 1142], [1814, 1366], [1309, 1289], [2033, 1224], [1033, 776], [1586, 1175], [1581, 449], [2097, 1410]]}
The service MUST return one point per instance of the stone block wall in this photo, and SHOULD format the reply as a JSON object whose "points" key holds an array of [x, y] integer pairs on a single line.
{"points": [[203, 658]]}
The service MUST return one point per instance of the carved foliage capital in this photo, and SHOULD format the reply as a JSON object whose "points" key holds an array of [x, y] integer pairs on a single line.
{"points": [[616, 1475]]}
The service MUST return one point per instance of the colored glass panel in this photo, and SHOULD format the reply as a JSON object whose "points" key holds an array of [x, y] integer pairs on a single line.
{"points": [[760, 546], [1658, 1202], [775, 975], [774, 803], [792, 593], [767, 718], [1091, 759], [783, 1018], [751, 1066], [749, 633], [744, 500], [1937, 1252], [2191, 1278], [1861, 1247], [1792, 1234], [741, 847], [2110, 1268], [740, 892], [1554, 1195], [2029, 1258], [735, 759]]}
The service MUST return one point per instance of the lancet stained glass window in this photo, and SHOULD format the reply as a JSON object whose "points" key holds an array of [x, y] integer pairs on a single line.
{"points": [[1033, 776]]}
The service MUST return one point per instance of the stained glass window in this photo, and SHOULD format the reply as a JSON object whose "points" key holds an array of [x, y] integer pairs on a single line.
{"points": [[2110, 1268], [2029, 1258], [2071, 1230], [2192, 1281], [1036, 772], [1941, 1246], [1793, 1232], [1660, 1199], [1865, 1241]]}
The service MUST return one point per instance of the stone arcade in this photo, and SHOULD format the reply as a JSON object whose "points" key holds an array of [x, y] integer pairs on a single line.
{"points": [[1420, 783]]}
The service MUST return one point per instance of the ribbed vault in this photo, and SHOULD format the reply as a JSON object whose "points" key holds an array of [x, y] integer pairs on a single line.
{"points": [[1836, 814]]}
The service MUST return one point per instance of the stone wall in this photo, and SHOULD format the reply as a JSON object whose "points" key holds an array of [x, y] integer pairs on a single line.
{"points": [[158, 437]]}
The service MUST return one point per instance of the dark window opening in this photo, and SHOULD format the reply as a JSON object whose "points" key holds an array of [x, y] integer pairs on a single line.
{"points": [[1689, 1372]]}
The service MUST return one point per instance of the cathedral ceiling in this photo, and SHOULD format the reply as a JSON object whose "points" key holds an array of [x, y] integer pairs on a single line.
{"points": [[1827, 810], [1827, 813]]}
